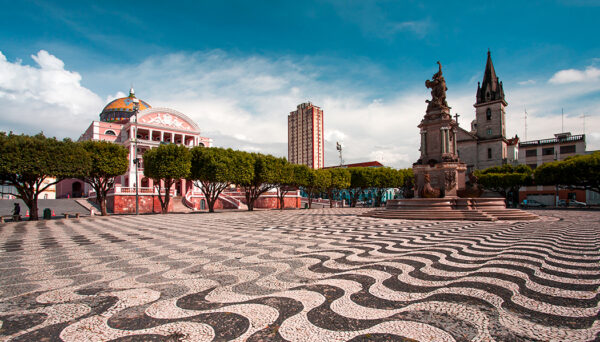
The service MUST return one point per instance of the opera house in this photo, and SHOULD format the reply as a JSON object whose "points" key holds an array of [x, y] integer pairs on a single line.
{"points": [[154, 126]]}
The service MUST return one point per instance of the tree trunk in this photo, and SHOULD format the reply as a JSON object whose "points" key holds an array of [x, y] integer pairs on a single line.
{"points": [[165, 204], [33, 208], [211, 205], [101, 199]]}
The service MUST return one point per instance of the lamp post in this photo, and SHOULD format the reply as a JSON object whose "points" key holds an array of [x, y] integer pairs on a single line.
{"points": [[136, 107]]}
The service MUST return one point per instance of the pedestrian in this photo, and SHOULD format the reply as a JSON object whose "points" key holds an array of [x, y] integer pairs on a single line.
{"points": [[17, 212]]}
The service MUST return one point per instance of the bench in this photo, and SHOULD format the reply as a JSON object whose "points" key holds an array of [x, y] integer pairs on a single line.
{"points": [[15, 218], [71, 214]]}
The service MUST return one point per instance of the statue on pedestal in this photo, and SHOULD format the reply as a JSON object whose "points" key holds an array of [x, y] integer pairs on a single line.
{"points": [[438, 90]]}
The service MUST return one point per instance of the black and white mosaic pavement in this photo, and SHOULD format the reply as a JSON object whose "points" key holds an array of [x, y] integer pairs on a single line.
{"points": [[305, 275]]}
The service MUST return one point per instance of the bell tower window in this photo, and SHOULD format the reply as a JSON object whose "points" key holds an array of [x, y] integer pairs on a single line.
{"points": [[488, 114]]}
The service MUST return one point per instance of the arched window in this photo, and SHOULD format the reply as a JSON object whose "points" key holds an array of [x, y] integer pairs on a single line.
{"points": [[110, 132], [488, 114]]}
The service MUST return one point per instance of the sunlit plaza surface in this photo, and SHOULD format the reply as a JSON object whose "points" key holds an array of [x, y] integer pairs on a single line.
{"points": [[300, 275]]}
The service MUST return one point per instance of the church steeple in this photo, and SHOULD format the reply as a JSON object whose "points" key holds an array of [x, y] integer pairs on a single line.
{"points": [[491, 88]]}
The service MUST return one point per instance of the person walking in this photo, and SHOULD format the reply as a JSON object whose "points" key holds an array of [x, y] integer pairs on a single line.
{"points": [[17, 212]]}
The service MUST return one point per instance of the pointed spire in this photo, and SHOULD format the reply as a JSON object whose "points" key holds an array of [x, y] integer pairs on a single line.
{"points": [[491, 87]]}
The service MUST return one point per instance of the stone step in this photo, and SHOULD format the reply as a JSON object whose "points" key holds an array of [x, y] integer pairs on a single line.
{"points": [[472, 215], [512, 214]]}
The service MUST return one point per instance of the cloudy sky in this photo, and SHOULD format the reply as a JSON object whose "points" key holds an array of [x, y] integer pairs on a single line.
{"points": [[239, 67]]}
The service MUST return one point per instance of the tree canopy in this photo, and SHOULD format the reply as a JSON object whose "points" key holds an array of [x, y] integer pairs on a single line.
{"points": [[258, 174], [213, 170], [107, 161], [578, 172], [27, 161], [167, 163], [505, 179]]}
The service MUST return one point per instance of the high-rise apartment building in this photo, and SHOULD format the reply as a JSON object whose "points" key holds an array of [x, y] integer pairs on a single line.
{"points": [[305, 136]]}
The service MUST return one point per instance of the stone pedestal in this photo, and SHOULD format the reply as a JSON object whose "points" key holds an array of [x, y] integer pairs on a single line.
{"points": [[447, 175]]}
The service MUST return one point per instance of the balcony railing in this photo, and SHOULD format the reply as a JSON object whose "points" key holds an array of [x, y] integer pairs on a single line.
{"points": [[570, 138]]}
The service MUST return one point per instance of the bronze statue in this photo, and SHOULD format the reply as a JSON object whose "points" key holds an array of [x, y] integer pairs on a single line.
{"points": [[427, 191], [438, 90], [471, 189]]}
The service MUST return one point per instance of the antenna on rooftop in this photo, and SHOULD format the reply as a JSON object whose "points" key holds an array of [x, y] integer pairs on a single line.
{"points": [[338, 147]]}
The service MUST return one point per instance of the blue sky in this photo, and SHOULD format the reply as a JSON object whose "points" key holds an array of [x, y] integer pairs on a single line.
{"points": [[238, 67]]}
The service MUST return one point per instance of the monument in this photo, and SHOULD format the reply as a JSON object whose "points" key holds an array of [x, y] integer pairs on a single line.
{"points": [[440, 175], [438, 172]]}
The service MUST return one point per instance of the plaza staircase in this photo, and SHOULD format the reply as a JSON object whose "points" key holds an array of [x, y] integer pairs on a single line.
{"points": [[179, 206]]}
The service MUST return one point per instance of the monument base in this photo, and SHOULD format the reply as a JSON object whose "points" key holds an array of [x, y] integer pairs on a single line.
{"points": [[449, 176], [470, 209]]}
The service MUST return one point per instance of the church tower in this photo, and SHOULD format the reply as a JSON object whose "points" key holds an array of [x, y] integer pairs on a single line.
{"points": [[489, 106]]}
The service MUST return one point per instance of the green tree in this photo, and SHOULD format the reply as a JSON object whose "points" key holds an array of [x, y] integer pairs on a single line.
{"points": [[314, 182], [339, 180], [165, 165], [361, 178], [213, 170], [284, 181], [258, 175], [27, 161], [384, 178], [579, 172], [408, 183], [107, 161], [505, 179]]}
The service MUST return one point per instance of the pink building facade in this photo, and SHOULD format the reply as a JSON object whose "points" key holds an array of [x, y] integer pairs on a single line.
{"points": [[153, 127]]}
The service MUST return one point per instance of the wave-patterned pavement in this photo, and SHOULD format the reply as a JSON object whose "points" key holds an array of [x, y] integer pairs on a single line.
{"points": [[303, 275]]}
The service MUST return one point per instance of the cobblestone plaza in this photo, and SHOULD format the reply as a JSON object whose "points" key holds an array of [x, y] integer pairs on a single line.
{"points": [[300, 275]]}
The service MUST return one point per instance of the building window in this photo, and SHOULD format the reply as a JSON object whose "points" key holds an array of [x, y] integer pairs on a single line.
{"points": [[548, 151], [532, 166], [489, 131], [531, 153], [110, 132], [489, 153], [567, 149], [488, 114]]}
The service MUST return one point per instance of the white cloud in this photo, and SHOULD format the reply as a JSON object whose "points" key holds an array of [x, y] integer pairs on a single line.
{"points": [[243, 103], [44, 97], [528, 82], [590, 74]]}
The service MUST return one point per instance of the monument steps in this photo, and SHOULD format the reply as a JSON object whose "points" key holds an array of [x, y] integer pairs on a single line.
{"points": [[511, 214], [424, 214], [453, 214]]}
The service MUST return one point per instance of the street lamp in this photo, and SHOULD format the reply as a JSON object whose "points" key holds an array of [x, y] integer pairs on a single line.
{"points": [[136, 107]]}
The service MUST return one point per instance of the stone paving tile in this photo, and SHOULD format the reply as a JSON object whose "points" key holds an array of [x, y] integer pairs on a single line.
{"points": [[305, 275]]}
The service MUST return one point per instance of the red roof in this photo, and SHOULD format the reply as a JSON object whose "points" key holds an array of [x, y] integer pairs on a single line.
{"points": [[365, 164]]}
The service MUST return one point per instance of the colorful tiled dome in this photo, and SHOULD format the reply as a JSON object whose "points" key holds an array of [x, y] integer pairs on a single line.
{"points": [[121, 109]]}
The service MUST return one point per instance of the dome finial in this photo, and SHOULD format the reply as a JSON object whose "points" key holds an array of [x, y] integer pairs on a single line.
{"points": [[131, 91]]}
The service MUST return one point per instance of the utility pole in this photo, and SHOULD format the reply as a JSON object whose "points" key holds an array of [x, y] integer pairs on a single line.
{"points": [[136, 107], [562, 119]]}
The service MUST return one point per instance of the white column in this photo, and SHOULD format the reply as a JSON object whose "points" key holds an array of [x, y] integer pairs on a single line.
{"points": [[172, 137], [150, 136], [447, 139], [162, 136], [454, 140], [183, 139]]}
